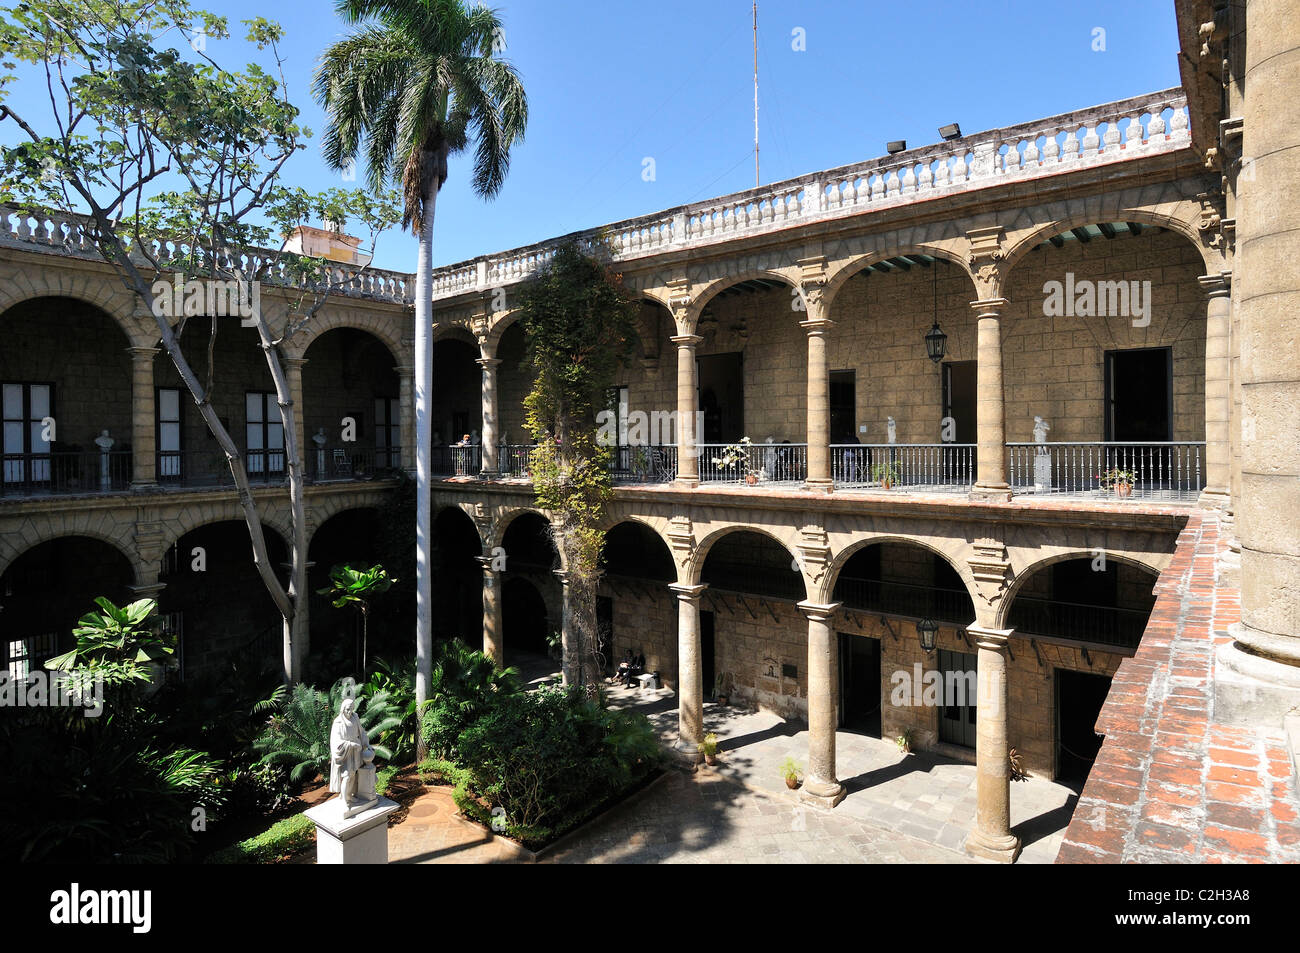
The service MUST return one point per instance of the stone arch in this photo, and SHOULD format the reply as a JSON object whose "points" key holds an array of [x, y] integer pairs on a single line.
{"points": [[14, 545], [716, 286], [694, 570], [656, 525], [382, 327], [649, 526], [500, 324], [1178, 212], [507, 518], [856, 265], [189, 519], [1003, 608], [95, 290], [841, 558], [454, 331], [468, 510], [323, 506]]}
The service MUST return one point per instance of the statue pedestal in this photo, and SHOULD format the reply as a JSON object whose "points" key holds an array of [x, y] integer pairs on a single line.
{"points": [[362, 839]]}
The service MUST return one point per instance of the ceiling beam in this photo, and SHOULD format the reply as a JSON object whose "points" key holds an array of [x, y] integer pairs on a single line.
{"points": [[1134, 227], [1081, 234], [1057, 241], [1106, 229]]}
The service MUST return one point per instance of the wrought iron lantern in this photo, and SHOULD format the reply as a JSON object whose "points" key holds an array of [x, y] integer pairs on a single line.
{"points": [[936, 343], [927, 629]]}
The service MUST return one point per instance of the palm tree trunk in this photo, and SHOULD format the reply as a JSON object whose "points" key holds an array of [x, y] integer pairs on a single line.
{"points": [[423, 456]]}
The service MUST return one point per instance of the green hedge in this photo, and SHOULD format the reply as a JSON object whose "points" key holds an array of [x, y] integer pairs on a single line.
{"points": [[287, 836]]}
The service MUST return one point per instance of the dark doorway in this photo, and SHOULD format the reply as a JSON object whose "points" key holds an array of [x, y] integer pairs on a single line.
{"points": [[523, 617], [722, 396], [708, 670], [957, 715], [844, 407], [1139, 394], [859, 684], [959, 405], [1079, 697]]}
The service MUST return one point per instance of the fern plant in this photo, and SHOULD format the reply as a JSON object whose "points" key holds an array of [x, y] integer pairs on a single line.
{"points": [[299, 735]]}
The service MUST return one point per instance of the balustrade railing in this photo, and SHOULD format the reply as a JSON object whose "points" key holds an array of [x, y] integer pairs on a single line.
{"points": [[649, 464], [904, 465], [65, 472], [1164, 470], [1105, 625], [513, 460], [1131, 128], [905, 599], [466, 461], [757, 463]]}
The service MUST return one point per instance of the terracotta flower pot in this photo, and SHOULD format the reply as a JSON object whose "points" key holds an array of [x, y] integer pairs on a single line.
{"points": [[1123, 490], [792, 783], [710, 759], [751, 478]]}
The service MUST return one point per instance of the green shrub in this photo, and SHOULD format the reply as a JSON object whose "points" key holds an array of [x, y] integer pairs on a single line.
{"points": [[463, 686], [552, 756]]}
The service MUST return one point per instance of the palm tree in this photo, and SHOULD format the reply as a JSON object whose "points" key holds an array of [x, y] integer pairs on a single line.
{"points": [[417, 81]]}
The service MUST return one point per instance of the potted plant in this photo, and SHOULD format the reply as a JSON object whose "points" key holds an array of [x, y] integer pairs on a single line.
{"points": [[790, 770], [886, 474], [709, 748], [736, 456], [641, 462], [1122, 480], [904, 741], [720, 693]]}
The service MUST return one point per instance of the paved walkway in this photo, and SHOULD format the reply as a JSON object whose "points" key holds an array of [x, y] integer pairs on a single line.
{"points": [[919, 795], [900, 808]]}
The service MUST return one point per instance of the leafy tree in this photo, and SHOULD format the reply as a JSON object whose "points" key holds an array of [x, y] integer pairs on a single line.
{"points": [[579, 322], [356, 587], [173, 164], [464, 684], [416, 82]]}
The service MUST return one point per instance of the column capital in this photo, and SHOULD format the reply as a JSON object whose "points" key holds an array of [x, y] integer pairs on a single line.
{"points": [[562, 575], [688, 593], [686, 340], [147, 590], [817, 612], [488, 362], [817, 325], [988, 638], [404, 370], [1216, 286], [142, 355], [990, 307], [486, 563], [297, 363]]}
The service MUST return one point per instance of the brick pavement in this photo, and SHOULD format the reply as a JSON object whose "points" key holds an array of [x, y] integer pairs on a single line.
{"points": [[1170, 785]]}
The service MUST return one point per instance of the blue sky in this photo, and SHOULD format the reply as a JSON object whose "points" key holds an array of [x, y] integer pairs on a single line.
{"points": [[612, 83]]}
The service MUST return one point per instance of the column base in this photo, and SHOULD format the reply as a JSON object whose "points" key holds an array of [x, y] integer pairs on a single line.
{"points": [[1250, 689], [687, 752], [143, 486], [991, 493], [819, 486], [488, 474], [1214, 498], [824, 794], [1003, 850], [686, 483]]}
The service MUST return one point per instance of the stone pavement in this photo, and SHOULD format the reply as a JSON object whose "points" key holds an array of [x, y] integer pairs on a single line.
{"points": [[1170, 785], [919, 795]]}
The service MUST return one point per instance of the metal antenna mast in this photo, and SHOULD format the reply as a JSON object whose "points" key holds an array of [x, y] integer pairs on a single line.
{"points": [[757, 181]]}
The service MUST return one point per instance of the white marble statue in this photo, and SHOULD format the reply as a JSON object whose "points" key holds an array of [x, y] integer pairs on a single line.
{"points": [[892, 428], [105, 443], [352, 769], [1042, 456], [1041, 427]]}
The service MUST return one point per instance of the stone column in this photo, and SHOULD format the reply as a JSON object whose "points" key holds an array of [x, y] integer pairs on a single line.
{"points": [[493, 631], [819, 406], [991, 837], [489, 430], [406, 407], [1218, 394], [688, 465], [991, 428], [293, 371], [690, 674], [1257, 679], [571, 667], [821, 785], [144, 419]]}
